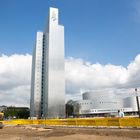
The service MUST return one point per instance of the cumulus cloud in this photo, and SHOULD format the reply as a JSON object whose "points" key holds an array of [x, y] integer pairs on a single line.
{"points": [[134, 73], [15, 75], [84, 76], [81, 74]]}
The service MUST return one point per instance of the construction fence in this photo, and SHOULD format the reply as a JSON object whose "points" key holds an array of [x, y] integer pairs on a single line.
{"points": [[93, 122]]}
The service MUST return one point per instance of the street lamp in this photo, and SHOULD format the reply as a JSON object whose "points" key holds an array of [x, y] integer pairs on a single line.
{"points": [[137, 99]]}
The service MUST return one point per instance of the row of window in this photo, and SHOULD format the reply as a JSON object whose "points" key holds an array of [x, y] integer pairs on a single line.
{"points": [[100, 103], [85, 103]]}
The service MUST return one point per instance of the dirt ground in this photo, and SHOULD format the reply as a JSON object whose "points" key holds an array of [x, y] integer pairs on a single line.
{"points": [[64, 133]]}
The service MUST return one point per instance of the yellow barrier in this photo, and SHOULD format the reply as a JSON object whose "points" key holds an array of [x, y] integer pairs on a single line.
{"points": [[95, 122]]}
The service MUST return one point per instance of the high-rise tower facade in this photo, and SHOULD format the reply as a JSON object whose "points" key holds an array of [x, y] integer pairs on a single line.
{"points": [[36, 79], [48, 76]]}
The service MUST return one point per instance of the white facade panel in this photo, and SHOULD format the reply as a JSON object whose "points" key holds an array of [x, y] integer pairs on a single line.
{"points": [[36, 87], [55, 78], [130, 102]]}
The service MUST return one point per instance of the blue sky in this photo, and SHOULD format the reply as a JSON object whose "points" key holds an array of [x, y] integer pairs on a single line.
{"points": [[104, 31]]}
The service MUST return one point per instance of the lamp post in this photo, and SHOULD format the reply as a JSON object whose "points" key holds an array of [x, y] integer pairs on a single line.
{"points": [[137, 99]]}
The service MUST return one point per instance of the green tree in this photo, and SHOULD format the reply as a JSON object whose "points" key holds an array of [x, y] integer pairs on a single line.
{"points": [[18, 112], [69, 108]]}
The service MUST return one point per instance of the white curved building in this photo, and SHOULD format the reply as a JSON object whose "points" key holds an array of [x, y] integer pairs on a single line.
{"points": [[98, 103], [130, 102]]}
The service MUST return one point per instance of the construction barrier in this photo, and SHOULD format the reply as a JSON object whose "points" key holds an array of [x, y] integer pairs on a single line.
{"points": [[93, 122]]}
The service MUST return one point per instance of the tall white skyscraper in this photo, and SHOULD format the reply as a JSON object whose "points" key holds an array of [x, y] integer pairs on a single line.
{"points": [[48, 76], [36, 79]]}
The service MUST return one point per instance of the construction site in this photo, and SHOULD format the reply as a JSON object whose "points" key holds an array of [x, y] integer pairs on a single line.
{"points": [[75, 129], [22, 132]]}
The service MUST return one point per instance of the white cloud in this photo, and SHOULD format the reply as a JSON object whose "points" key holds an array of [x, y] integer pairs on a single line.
{"points": [[134, 72], [15, 75], [83, 76]]}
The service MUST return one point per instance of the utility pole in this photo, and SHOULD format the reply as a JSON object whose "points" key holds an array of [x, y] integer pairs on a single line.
{"points": [[137, 99]]}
